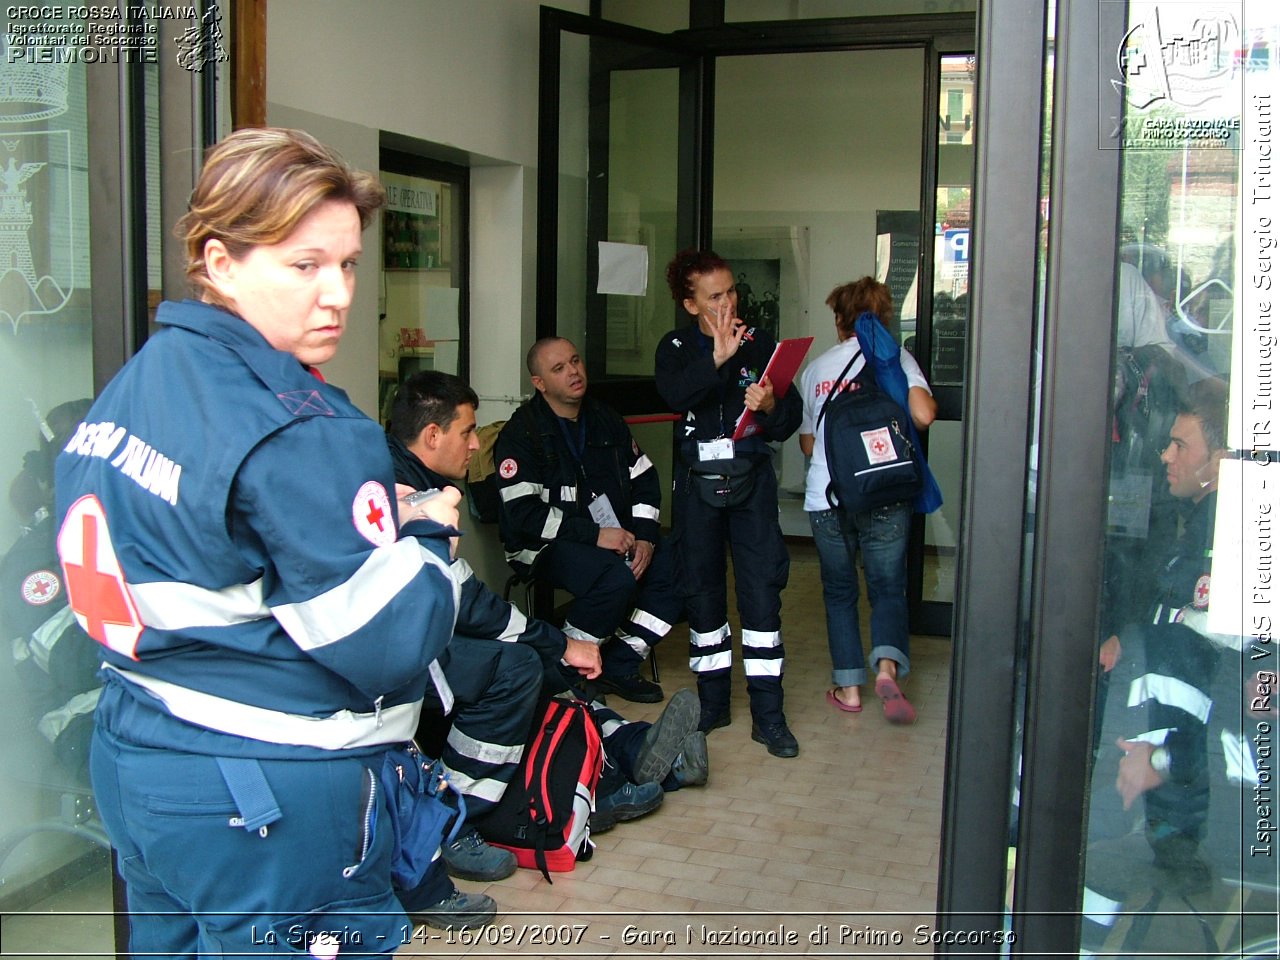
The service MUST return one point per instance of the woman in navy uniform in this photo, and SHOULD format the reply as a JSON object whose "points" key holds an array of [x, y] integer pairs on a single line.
{"points": [[726, 492], [229, 536]]}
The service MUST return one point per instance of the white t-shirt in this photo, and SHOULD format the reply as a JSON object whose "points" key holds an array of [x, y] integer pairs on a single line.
{"points": [[1140, 316], [815, 383]]}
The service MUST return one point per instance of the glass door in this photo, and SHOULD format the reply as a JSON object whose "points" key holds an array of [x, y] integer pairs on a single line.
{"points": [[1179, 840], [617, 165], [944, 329]]}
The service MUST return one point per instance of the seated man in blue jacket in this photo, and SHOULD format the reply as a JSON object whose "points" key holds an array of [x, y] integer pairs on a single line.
{"points": [[580, 504], [499, 662]]}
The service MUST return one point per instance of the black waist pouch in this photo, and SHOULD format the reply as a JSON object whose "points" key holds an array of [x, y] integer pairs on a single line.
{"points": [[723, 483]]}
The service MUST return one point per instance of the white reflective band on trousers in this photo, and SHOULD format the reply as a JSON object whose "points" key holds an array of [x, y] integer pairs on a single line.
{"points": [[706, 663]]}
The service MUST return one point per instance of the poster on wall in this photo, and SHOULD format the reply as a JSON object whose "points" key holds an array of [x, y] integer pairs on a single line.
{"points": [[758, 283]]}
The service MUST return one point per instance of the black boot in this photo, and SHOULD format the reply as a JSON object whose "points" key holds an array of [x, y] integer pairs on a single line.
{"points": [[768, 722], [713, 696]]}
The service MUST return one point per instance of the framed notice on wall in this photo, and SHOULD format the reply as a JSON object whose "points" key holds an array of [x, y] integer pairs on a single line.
{"points": [[411, 224]]}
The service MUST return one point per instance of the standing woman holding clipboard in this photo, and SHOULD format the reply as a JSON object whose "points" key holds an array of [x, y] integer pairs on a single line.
{"points": [[725, 492]]}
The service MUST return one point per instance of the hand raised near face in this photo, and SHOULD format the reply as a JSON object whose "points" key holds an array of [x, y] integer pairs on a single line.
{"points": [[726, 332]]}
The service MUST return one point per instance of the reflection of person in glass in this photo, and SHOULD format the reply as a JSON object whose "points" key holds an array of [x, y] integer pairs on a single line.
{"points": [[1170, 661], [267, 628]]}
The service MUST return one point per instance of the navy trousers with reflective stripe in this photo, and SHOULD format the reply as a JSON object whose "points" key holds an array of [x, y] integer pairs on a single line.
{"points": [[495, 689], [605, 593], [761, 567]]}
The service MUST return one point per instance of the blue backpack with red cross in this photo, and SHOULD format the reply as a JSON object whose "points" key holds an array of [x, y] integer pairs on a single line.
{"points": [[871, 457]]}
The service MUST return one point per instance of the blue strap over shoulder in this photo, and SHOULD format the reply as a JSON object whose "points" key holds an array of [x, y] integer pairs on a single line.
{"points": [[883, 353]]}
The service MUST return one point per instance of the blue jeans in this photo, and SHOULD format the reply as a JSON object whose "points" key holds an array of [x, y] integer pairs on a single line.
{"points": [[881, 534]]}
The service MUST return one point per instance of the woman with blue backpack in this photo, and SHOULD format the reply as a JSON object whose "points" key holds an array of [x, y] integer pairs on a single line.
{"points": [[866, 476]]}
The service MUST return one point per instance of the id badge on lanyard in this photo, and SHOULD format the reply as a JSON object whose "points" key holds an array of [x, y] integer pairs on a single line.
{"points": [[719, 449], [602, 511]]}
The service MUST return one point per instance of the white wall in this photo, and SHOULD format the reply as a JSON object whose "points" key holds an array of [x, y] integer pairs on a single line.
{"points": [[454, 73]]}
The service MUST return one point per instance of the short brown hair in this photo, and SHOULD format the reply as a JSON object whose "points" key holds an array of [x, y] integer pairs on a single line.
{"points": [[868, 295], [1206, 400], [257, 185], [686, 265]]}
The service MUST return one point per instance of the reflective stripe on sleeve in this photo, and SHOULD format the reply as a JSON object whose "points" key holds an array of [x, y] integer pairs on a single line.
{"points": [[1172, 692], [574, 633], [642, 511], [341, 611], [549, 529], [168, 605], [641, 465], [1101, 910], [522, 489], [524, 556], [1237, 754], [1154, 737], [516, 625]]}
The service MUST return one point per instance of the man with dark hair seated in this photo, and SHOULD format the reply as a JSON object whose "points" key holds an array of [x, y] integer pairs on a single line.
{"points": [[432, 438]]}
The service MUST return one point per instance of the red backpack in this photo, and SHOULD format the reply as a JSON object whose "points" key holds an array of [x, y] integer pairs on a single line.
{"points": [[542, 816]]}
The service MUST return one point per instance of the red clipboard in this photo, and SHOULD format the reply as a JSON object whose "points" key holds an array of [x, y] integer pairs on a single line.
{"points": [[781, 370]]}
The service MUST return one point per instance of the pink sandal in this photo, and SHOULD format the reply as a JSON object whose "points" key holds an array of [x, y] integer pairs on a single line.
{"points": [[840, 704], [897, 709]]}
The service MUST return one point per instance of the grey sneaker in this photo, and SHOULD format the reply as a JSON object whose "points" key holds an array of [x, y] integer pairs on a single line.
{"points": [[470, 858], [665, 737], [458, 910], [626, 803], [691, 767]]}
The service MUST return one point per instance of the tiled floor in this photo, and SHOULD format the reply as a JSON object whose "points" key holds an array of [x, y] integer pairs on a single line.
{"points": [[836, 849], [845, 834]]}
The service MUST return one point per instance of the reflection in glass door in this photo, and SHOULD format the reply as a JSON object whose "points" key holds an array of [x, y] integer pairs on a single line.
{"points": [[1179, 849], [53, 852], [950, 316], [619, 160]]}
